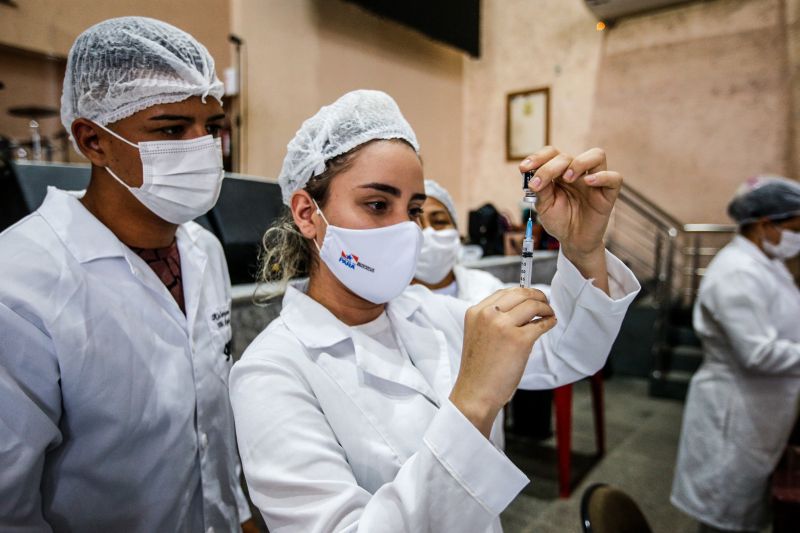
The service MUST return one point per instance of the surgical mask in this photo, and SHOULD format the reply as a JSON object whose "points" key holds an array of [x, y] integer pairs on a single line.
{"points": [[181, 180], [439, 253], [787, 247], [376, 264]]}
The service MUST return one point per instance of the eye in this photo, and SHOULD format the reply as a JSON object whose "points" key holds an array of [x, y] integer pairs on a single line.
{"points": [[213, 129], [172, 131], [377, 206], [415, 212]]}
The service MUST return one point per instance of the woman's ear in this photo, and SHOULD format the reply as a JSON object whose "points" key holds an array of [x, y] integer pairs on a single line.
{"points": [[304, 212], [88, 140]]}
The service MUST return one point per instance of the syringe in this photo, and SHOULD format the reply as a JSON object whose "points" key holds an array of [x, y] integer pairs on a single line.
{"points": [[526, 268]]}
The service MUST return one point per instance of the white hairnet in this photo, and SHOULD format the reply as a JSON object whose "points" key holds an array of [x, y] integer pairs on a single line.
{"points": [[123, 65], [771, 197], [436, 191], [352, 120]]}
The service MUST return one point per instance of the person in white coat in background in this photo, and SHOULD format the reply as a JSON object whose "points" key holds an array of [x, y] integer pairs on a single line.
{"points": [[368, 403], [437, 265], [743, 400], [115, 307]]}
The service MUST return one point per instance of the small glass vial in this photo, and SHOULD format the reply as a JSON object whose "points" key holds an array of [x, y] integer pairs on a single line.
{"points": [[529, 194]]}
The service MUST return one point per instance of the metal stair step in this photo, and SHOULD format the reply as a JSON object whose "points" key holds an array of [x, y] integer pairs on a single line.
{"points": [[673, 385], [685, 358]]}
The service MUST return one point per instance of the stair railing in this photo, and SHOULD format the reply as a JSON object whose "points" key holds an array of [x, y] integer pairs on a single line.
{"points": [[668, 255]]}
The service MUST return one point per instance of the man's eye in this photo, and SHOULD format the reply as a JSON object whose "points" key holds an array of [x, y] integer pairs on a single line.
{"points": [[172, 130], [415, 212], [214, 129]]}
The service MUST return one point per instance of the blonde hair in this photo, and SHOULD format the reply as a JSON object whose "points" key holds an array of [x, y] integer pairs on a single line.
{"points": [[286, 253]]}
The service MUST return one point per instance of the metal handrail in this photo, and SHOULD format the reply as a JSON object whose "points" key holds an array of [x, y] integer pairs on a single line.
{"points": [[651, 206], [674, 242], [709, 228]]}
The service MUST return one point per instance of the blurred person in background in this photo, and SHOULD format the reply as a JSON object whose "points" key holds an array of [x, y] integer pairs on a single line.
{"points": [[743, 400], [437, 266]]}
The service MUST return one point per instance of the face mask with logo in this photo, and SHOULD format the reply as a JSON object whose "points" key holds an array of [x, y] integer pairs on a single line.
{"points": [[787, 247], [181, 180], [438, 255], [376, 264]]}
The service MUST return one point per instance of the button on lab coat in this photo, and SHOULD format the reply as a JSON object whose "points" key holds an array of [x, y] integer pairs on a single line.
{"points": [[115, 412], [336, 437], [743, 400]]}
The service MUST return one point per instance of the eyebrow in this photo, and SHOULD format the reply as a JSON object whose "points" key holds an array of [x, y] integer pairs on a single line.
{"points": [[389, 189], [185, 118]]}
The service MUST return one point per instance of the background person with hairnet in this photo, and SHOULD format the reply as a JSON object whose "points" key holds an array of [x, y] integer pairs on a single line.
{"points": [[437, 266], [743, 401], [368, 404], [115, 307]]}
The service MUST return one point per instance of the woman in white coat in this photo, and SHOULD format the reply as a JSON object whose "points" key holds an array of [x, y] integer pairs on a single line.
{"points": [[743, 400], [437, 265], [368, 404]]}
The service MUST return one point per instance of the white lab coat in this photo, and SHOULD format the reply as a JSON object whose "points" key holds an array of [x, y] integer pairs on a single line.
{"points": [[743, 400], [115, 412], [474, 285], [334, 437]]}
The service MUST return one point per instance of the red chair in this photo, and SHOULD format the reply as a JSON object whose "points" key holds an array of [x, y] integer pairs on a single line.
{"points": [[562, 398]]}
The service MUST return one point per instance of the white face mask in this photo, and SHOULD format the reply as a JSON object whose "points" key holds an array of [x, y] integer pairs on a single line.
{"points": [[787, 247], [439, 253], [181, 180], [376, 264]]}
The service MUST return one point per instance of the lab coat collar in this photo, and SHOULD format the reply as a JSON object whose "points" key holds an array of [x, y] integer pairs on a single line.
{"points": [[316, 327], [88, 239], [84, 236], [310, 321], [748, 247], [776, 265]]}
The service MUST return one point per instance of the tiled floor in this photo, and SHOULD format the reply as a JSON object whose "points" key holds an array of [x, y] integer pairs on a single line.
{"points": [[641, 442]]}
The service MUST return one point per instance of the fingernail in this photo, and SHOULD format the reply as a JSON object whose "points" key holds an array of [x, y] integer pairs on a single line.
{"points": [[536, 182], [527, 163], [568, 174], [591, 178]]}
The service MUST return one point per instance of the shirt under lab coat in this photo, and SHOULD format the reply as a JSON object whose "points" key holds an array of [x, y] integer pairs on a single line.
{"points": [[743, 400], [115, 412], [337, 434]]}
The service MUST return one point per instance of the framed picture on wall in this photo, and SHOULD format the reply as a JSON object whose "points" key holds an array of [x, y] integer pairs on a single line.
{"points": [[527, 122]]}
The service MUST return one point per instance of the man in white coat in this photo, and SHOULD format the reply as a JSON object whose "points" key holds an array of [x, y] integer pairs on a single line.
{"points": [[368, 404], [743, 400], [115, 307]]}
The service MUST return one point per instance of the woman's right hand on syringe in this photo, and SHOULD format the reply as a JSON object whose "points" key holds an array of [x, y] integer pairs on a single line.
{"points": [[499, 333]]}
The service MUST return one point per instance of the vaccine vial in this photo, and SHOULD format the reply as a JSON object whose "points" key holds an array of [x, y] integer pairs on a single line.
{"points": [[529, 194]]}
